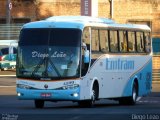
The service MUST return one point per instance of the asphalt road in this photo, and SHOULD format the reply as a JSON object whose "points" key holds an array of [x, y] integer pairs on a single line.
{"points": [[147, 108], [11, 107]]}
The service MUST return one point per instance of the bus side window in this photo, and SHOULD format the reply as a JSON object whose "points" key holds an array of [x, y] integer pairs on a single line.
{"points": [[131, 41], [113, 41], [140, 41], [86, 37], [147, 42], [123, 41], [104, 41], [95, 40]]}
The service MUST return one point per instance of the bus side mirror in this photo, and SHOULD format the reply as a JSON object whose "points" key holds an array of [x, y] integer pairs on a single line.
{"points": [[86, 56]]}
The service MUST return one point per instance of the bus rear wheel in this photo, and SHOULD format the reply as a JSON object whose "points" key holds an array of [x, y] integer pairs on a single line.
{"points": [[39, 103], [132, 99]]}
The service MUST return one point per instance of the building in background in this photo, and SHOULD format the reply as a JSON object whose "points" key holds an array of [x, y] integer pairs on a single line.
{"points": [[122, 11]]}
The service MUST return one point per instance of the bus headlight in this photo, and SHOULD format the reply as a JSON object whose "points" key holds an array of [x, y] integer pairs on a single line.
{"points": [[68, 87], [23, 86], [71, 86]]}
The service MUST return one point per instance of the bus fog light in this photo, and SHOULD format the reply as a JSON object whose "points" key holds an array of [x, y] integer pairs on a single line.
{"points": [[75, 94], [19, 94]]}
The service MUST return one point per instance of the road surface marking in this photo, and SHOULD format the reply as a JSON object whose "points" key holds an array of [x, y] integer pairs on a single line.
{"points": [[147, 101], [139, 98]]}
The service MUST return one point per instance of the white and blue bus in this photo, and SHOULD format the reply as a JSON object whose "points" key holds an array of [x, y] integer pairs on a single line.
{"points": [[83, 59]]}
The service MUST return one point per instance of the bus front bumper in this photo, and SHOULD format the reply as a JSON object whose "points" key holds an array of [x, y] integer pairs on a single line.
{"points": [[57, 95]]}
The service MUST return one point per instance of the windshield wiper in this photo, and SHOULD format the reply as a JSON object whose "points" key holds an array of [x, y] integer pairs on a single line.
{"points": [[37, 67], [45, 60], [54, 67]]}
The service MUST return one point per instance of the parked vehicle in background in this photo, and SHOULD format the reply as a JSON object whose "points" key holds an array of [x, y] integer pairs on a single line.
{"points": [[8, 51]]}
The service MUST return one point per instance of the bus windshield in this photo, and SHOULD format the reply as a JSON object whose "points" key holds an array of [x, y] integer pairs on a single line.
{"points": [[49, 53]]}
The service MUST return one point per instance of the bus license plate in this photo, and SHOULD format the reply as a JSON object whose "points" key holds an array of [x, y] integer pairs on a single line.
{"points": [[46, 95]]}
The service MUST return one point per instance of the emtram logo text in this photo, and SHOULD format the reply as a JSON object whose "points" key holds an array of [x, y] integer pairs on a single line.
{"points": [[119, 64]]}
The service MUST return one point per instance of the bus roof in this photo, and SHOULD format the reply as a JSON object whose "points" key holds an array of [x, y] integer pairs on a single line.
{"points": [[80, 22], [84, 19]]}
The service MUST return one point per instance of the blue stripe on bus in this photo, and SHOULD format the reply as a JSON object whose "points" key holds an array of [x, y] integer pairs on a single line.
{"points": [[144, 77]]}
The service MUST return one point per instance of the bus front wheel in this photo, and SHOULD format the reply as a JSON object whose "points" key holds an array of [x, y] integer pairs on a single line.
{"points": [[39, 103], [88, 103], [94, 97]]}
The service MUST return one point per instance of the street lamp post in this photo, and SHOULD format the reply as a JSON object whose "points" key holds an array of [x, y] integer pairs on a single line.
{"points": [[8, 18], [8, 13], [111, 9]]}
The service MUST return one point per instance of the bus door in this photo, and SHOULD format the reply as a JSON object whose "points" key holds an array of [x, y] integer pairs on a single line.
{"points": [[85, 51]]}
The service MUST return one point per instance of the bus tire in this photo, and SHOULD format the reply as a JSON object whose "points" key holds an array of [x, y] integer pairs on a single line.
{"points": [[94, 97], [132, 99], [39, 103], [82, 103]]}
